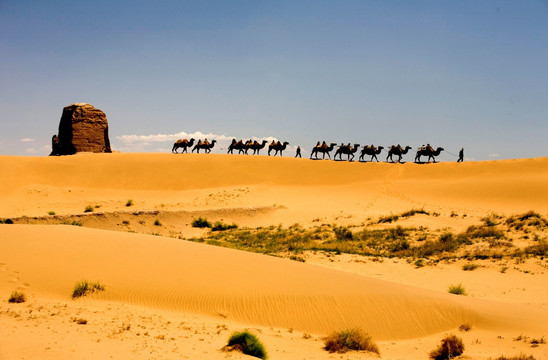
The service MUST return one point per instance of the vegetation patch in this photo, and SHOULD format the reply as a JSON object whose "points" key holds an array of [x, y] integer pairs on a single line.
{"points": [[201, 223], [451, 346], [17, 297], [85, 287], [516, 357], [246, 343], [465, 327], [129, 203], [352, 339], [457, 290], [470, 267], [221, 226], [88, 208]]}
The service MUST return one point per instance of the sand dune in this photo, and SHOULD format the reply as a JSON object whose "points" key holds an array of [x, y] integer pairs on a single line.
{"points": [[175, 276], [255, 289]]}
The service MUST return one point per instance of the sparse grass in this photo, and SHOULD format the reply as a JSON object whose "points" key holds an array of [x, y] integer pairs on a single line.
{"points": [[88, 208], [351, 339], [419, 263], [451, 346], [540, 249], [85, 287], [465, 327], [51, 213], [516, 357], [503, 269], [129, 202], [457, 290], [405, 214], [220, 226], [201, 223], [247, 343], [17, 297], [470, 267], [528, 219]]}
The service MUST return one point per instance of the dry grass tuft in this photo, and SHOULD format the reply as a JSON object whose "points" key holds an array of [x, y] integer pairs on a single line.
{"points": [[352, 339], [451, 346], [17, 297]]}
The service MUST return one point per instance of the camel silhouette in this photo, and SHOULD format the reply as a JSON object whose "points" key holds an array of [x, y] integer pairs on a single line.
{"points": [[397, 150], [323, 148], [204, 145], [256, 147], [372, 151], [236, 145], [348, 150], [277, 146], [184, 144], [427, 151]]}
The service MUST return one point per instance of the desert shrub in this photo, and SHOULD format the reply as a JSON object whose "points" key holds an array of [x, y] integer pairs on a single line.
{"points": [[248, 344], [457, 289], [297, 258], [516, 357], [8, 221], [484, 231], [201, 223], [17, 297], [88, 208], [530, 218], [388, 219], [220, 226], [419, 263], [540, 249], [342, 233], [51, 213], [157, 222], [73, 223], [129, 203], [414, 212], [451, 346], [465, 327], [352, 339], [85, 287], [469, 267]]}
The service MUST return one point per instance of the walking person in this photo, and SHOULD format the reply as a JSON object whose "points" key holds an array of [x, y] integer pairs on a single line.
{"points": [[461, 155], [298, 154]]}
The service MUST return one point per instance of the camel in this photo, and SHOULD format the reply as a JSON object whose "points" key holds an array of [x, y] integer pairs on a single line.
{"points": [[346, 149], [236, 145], [323, 148], [370, 150], [427, 151], [206, 145], [277, 146], [256, 147], [397, 150], [182, 144]]}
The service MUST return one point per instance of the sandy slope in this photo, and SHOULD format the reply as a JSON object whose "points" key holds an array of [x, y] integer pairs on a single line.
{"points": [[149, 276]]}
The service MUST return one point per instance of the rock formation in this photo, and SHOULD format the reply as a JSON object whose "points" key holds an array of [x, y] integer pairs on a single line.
{"points": [[82, 128]]}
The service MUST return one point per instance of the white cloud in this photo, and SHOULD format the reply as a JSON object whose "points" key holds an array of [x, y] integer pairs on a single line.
{"points": [[30, 150], [493, 155], [27, 140], [150, 143]]}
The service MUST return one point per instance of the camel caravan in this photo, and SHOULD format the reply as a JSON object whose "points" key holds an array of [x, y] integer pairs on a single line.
{"points": [[277, 147]]}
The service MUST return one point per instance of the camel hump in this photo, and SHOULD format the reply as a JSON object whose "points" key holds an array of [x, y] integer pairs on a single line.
{"points": [[180, 141]]}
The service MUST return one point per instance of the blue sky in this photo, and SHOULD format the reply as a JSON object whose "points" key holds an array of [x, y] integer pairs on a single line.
{"points": [[470, 74]]}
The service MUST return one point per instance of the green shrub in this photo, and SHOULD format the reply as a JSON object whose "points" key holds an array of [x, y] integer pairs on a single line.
{"points": [[451, 346], [248, 344], [129, 203], [457, 289], [88, 208], [352, 339], [51, 213], [85, 287], [17, 297], [201, 223]]}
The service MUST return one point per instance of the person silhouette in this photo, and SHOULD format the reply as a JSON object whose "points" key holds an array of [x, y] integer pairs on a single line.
{"points": [[298, 154], [461, 155]]}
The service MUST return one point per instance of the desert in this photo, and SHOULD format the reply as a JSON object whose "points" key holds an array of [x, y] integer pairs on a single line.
{"points": [[193, 247]]}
